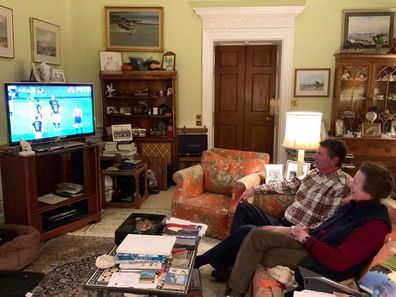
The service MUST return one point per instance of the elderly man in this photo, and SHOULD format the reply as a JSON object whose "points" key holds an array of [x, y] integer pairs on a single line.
{"points": [[318, 195]]}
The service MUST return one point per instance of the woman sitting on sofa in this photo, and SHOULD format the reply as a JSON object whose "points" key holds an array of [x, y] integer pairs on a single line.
{"points": [[338, 249]]}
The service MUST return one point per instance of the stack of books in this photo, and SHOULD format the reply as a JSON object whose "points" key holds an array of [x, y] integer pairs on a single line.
{"points": [[125, 149], [186, 235]]}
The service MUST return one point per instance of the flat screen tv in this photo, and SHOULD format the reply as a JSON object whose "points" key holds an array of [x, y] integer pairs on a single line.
{"points": [[43, 112]]}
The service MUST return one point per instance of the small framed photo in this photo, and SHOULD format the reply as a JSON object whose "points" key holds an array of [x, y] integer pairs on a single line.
{"points": [[168, 61], [110, 61], [121, 132], [291, 169], [312, 82], [34, 75], [6, 32], [134, 28], [111, 109], [393, 129], [125, 110], [359, 27], [339, 127], [273, 173], [371, 130], [45, 41], [58, 76]]}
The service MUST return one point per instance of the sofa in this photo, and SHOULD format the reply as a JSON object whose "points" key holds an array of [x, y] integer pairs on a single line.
{"points": [[209, 192], [275, 204]]}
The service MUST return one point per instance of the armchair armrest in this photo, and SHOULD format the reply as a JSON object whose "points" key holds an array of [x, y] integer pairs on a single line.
{"points": [[274, 204], [189, 182], [241, 185]]}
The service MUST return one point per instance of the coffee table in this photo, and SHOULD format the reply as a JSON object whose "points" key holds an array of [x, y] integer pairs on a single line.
{"points": [[190, 290]]}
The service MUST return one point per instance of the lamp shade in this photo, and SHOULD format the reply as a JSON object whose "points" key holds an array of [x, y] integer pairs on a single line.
{"points": [[302, 130]]}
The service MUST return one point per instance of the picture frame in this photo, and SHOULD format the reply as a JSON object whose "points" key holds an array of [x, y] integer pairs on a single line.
{"points": [[110, 61], [339, 127], [34, 74], [393, 129], [6, 32], [45, 41], [121, 132], [359, 27], [145, 24], [168, 61], [111, 109], [58, 76], [312, 82], [372, 130], [291, 169], [273, 173]]}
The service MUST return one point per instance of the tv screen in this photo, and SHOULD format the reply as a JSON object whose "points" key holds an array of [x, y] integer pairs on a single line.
{"points": [[40, 112]]}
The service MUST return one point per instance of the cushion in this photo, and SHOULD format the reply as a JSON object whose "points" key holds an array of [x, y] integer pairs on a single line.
{"points": [[220, 173], [264, 285]]}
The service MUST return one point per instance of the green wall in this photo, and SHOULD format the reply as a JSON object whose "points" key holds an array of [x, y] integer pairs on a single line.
{"points": [[317, 38]]}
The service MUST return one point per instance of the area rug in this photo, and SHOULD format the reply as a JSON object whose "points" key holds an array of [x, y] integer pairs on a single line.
{"points": [[68, 261]]}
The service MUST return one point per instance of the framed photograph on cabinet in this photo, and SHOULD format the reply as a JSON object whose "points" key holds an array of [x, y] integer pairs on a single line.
{"points": [[291, 169], [121, 132], [34, 74], [371, 130], [273, 173], [312, 82], [45, 41], [58, 76], [110, 61], [6, 32], [134, 28], [168, 61], [359, 27]]}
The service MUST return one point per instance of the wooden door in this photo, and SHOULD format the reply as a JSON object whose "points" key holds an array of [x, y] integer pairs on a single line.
{"points": [[245, 80]]}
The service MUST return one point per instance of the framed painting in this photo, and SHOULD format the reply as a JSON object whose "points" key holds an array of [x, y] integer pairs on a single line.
{"points": [[168, 61], [45, 41], [312, 82], [372, 130], [134, 28], [6, 32], [360, 26], [291, 169], [273, 173]]}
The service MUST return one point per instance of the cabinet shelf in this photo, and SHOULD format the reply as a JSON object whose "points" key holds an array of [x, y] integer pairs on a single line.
{"points": [[138, 97], [24, 179], [140, 116]]}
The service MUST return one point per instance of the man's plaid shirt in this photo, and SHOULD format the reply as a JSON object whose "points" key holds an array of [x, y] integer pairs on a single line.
{"points": [[318, 196]]}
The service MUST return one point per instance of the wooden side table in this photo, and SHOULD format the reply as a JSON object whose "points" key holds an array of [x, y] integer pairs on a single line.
{"points": [[136, 173]]}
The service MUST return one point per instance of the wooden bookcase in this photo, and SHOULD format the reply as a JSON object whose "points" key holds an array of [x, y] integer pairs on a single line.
{"points": [[24, 179], [146, 100]]}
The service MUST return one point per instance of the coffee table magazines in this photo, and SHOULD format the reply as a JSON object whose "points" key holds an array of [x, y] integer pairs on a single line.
{"points": [[99, 281]]}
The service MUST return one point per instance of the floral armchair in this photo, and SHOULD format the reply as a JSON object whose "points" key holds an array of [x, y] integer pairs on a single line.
{"points": [[209, 192]]}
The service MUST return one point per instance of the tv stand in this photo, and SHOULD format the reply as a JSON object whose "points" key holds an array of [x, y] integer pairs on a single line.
{"points": [[26, 178]]}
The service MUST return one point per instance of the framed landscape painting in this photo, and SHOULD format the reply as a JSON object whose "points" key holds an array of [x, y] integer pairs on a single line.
{"points": [[6, 33], [312, 82], [134, 28], [360, 26], [45, 41]]}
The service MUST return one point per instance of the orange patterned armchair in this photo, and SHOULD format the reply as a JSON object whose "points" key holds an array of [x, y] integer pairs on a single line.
{"points": [[209, 192]]}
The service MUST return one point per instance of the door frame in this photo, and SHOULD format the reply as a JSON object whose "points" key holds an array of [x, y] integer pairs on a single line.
{"points": [[222, 25]]}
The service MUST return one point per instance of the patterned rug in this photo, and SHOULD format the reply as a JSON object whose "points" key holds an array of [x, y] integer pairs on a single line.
{"points": [[68, 261]]}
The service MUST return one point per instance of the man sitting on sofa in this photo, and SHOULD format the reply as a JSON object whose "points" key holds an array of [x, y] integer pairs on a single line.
{"points": [[317, 197]]}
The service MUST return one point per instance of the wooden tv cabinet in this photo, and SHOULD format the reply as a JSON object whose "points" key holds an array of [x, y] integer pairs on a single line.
{"points": [[24, 179]]}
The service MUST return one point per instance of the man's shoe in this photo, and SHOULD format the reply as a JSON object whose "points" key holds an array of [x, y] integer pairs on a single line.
{"points": [[221, 275]]}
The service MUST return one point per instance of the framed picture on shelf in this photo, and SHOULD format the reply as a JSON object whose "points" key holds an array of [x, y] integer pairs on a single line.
{"points": [[273, 173], [134, 28], [58, 76], [359, 27], [339, 127], [371, 130], [291, 169], [111, 109], [45, 41], [6, 32], [34, 74], [312, 82], [168, 61], [110, 61], [121, 132]]}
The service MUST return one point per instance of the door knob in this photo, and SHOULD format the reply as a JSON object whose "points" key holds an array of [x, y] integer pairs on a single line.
{"points": [[268, 119]]}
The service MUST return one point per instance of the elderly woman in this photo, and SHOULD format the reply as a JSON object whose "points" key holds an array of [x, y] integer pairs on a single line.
{"points": [[338, 249]]}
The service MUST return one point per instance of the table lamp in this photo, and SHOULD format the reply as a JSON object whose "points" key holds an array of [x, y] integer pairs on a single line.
{"points": [[302, 133]]}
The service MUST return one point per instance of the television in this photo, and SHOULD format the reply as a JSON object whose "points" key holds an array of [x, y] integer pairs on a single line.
{"points": [[44, 112]]}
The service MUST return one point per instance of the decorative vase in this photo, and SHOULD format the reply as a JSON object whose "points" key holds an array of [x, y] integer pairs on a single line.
{"points": [[378, 48]]}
